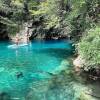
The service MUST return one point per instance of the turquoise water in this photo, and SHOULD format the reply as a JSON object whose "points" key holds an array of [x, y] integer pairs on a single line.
{"points": [[37, 62]]}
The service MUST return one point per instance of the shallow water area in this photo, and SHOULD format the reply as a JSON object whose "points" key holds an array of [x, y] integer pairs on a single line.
{"points": [[23, 66]]}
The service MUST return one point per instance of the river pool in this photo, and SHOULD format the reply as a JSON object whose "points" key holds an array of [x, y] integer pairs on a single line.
{"points": [[26, 71]]}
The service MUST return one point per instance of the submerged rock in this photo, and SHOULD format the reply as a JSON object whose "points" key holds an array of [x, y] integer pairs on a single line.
{"points": [[4, 96], [64, 65]]}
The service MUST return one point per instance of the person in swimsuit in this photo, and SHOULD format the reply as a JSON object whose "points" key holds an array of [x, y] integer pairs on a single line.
{"points": [[17, 39], [19, 75]]}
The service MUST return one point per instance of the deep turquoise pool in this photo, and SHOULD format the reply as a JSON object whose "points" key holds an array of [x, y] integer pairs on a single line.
{"points": [[35, 61]]}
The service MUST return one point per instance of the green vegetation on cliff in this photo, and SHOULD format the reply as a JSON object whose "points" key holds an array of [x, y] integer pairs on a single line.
{"points": [[89, 49]]}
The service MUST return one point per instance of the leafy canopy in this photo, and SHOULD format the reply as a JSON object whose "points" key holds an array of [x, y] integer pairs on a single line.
{"points": [[89, 49]]}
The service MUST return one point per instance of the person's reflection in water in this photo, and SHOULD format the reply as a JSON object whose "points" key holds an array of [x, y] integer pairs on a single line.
{"points": [[28, 47], [16, 52]]}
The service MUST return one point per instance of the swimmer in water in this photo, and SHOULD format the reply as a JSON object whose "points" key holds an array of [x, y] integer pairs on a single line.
{"points": [[19, 75]]}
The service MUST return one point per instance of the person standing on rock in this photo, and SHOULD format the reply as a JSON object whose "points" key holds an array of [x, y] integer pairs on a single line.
{"points": [[17, 39]]}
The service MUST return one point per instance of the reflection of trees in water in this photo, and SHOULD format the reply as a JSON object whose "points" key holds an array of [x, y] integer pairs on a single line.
{"points": [[58, 88], [58, 53]]}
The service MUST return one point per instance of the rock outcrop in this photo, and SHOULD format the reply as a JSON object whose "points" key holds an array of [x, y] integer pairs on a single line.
{"points": [[78, 62], [24, 34]]}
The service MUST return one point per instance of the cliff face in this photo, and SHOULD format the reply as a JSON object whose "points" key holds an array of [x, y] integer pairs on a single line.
{"points": [[42, 32], [17, 13]]}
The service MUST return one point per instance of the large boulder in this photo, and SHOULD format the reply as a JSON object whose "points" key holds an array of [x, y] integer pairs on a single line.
{"points": [[78, 63]]}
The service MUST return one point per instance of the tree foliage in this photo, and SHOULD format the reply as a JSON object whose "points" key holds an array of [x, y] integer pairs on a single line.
{"points": [[89, 49], [12, 15]]}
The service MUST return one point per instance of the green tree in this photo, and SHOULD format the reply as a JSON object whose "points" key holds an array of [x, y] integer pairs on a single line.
{"points": [[89, 49]]}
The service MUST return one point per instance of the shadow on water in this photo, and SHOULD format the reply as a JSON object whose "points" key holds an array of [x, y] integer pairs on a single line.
{"points": [[58, 53]]}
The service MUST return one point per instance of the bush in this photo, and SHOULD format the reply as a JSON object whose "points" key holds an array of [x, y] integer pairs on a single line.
{"points": [[89, 49]]}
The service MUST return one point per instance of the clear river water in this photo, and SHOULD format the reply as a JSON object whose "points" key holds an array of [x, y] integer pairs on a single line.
{"points": [[26, 71]]}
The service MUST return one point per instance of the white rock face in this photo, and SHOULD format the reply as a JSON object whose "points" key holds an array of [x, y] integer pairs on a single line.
{"points": [[23, 35], [78, 62]]}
